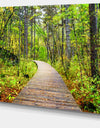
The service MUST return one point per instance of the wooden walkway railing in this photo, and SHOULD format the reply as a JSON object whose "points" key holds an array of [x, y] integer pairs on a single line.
{"points": [[46, 89]]}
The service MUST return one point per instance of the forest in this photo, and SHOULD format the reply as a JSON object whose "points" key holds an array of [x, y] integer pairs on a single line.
{"points": [[65, 36]]}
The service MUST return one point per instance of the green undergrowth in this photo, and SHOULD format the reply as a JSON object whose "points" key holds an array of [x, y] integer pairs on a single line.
{"points": [[14, 77], [83, 87]]}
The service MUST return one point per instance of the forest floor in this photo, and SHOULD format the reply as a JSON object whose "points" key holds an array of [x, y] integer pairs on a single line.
{"points": [[86, 95], [10, 82]]}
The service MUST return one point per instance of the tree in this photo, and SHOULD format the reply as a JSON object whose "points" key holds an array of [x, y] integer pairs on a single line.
{"points": [[62, 46], [26, 29], [31, 30], [34, 33], [47, 41], [19, 37], [93, 42], [67, 29], [5, 24]]}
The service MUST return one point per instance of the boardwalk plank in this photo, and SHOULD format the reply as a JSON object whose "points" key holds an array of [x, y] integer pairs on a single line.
{"points": [[47, 89]]}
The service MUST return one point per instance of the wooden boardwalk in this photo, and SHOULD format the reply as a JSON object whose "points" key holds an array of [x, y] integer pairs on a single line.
{"points": [[46, 89]]}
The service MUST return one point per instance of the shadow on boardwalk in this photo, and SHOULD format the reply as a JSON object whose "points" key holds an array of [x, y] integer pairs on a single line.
{"points": [[47, 89]]}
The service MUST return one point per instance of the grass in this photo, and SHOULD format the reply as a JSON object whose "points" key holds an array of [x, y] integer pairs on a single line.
{"points": [[10, 82]]}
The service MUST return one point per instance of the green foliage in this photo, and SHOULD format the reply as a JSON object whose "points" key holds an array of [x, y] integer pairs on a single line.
{"points": [[10, 82], [42, 54], [2, 43], [49, 40], [81, 86], [41, 33]]}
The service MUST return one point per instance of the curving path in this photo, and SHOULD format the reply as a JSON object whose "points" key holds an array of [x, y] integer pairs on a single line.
{"points": [[46, 89]]}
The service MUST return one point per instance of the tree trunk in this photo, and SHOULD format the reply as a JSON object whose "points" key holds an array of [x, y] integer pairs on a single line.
{"points": [[34, 37], [26, 29], [19, 39], [93, 42], [31, 30], [62, 47], [47, 41], [67, 29], [54, 45]]}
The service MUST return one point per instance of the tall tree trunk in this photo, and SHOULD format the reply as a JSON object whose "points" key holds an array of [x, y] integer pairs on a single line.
{"points": [[59, 41], [19, 38], [26, 29], [47, 41], [19, 30], [67, 29], [93, 42], [62, 47], [54, 44], [31, 30], [34, 37]]}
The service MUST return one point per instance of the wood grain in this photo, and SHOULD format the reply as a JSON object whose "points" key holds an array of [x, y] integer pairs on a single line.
{"points": [[47, 89]]}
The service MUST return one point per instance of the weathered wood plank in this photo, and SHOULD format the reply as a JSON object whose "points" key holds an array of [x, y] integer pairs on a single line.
{"points": [[47, 89]]}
